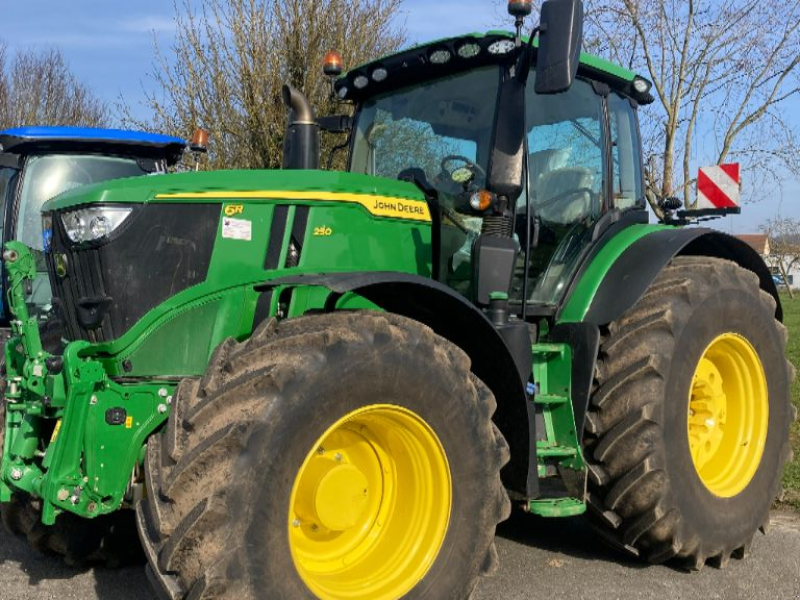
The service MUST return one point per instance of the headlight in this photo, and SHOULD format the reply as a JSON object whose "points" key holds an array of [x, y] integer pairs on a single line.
{"points": [[641, 85], [501, 47], [89, 224]]}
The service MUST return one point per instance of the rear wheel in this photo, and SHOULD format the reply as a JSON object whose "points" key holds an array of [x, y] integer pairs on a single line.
{"points": [[349, 455], [687, 431]]}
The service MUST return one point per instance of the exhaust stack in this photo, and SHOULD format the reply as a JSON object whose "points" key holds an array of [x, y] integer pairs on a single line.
{"points": [[301, 144]]}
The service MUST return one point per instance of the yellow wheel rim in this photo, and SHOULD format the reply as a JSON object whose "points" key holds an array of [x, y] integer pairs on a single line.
{"points": [[370, 506], [728, 415]]}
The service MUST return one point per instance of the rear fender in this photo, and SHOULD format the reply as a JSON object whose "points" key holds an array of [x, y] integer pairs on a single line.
{"points": [[625, 281], [453, 317]]}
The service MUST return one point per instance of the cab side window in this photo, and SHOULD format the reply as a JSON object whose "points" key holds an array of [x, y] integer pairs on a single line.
{"points": [[565, 154], [627, 182], [567, 145]]}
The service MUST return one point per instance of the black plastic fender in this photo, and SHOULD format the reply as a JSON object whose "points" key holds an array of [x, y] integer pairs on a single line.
{"points": [[453, 317], [634, 271]]}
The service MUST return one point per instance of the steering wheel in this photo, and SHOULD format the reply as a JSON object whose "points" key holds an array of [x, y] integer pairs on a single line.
{"points": [[464, 174]]}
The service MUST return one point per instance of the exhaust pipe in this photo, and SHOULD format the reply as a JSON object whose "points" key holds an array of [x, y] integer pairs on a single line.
{"points": [[301, 143]]}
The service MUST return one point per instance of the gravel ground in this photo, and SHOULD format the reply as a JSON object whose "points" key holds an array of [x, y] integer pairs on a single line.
{"points": [[553, 559]]}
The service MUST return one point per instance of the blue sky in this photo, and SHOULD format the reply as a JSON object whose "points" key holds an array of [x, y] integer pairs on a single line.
{"points": [[109, 45]]}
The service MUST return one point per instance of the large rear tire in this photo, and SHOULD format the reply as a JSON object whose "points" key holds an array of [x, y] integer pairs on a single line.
{"points": [[688, 428], [342, 455]]}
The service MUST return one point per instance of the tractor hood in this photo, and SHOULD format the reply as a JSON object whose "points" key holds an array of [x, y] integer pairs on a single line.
{"points": [[247, 185]]}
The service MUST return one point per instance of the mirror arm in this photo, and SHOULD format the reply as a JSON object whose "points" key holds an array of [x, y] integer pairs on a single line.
{"points": [[523, 67]]}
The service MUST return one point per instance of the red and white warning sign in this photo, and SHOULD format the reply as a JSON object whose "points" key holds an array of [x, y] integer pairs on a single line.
{"points": [[719, 186]]}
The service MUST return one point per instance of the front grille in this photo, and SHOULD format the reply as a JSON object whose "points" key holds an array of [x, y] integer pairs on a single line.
{"points": [[161, 250]]}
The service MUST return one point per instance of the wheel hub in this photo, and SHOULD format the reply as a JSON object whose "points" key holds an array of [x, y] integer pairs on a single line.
{"points": [[727, 417], [707, 413], [333, 494], [370, 506]]}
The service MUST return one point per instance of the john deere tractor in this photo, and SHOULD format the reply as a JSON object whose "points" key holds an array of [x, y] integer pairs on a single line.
{"points": [[335, 384]]}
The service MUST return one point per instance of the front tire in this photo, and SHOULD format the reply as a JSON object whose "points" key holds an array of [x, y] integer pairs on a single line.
{"points": [[342, 455], [688, 427]]}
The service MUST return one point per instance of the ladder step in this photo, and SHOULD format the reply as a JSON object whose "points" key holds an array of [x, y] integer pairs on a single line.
{"points": [[548, 348], [550, 399], [555, 451], [557, 507]]}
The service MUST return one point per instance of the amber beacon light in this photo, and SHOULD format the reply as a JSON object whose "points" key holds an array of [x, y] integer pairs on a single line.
{"points": [[332, 63]]}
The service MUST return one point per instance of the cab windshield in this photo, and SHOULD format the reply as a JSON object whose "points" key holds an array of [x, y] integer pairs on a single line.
{"points": [[443, 127], [438, 126]]}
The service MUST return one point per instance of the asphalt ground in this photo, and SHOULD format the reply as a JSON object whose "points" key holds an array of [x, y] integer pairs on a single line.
{"points": [[539, 559]]}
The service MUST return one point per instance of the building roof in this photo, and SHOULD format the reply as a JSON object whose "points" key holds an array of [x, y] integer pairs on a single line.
{"points": [[757, 241]]}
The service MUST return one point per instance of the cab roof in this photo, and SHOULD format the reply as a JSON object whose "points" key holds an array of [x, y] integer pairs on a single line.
{"points": [[465, 52], [29, 140]]}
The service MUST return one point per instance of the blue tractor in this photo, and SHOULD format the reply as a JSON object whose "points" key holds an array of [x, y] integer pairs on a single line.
{"points": [[38, 163]]}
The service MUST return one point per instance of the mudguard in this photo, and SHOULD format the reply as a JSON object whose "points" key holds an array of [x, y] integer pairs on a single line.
{"points": [[640, 264], [626, 280], [453, 317]]}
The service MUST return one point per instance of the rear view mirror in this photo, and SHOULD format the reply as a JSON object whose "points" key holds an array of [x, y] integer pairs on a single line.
{"points": [[560, 39]]}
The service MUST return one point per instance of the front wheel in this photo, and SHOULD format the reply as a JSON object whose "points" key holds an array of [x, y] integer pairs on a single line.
{"points": [[687, 432], [347, 455]]}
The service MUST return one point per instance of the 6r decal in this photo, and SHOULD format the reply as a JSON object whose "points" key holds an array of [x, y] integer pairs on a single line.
{"points": [[233, 209]]}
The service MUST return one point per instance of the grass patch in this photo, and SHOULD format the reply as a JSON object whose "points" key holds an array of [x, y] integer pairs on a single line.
{"points": [[791, 475]]}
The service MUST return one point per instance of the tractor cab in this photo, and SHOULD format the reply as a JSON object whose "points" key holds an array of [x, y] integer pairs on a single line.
{"points": [[38, 163], [438, 114]]}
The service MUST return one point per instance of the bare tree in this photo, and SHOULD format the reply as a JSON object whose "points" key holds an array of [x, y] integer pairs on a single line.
{"points": [[784, 247], [38, 88], [231, 57], [721, 73]]}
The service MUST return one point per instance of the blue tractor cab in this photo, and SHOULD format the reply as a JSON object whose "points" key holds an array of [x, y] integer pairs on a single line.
{"points": [[38, 163]]}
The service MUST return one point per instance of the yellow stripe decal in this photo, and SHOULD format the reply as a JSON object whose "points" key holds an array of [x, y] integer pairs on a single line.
{"points": [[380, 206]]}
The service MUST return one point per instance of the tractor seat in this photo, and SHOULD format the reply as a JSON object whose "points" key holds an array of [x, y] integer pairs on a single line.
{"points": [[553, 201]]}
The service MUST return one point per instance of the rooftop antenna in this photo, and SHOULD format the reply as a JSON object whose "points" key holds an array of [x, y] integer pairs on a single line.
{"points": [[519, 9]]}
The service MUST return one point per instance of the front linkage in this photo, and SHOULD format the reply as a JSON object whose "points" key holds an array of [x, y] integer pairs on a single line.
{"points": [[74, 438]]}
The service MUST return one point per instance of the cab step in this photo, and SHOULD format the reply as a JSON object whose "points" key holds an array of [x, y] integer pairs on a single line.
{"points": [[557, 507]]}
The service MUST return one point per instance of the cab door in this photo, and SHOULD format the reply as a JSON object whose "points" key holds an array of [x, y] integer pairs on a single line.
{"points": [[567, 188]]}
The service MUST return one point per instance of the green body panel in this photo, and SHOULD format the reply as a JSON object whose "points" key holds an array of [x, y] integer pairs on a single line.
{"points": [[581, 298], [145, 189], [338, 232]]}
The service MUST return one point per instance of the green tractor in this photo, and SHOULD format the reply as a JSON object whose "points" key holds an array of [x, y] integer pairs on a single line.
{"points": [[335, 384]]}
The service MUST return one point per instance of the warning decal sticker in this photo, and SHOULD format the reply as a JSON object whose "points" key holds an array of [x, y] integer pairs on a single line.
{"points": [[237, 229]]}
